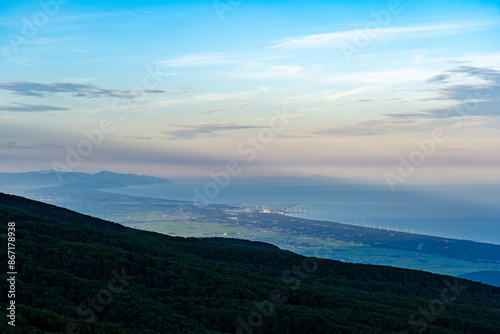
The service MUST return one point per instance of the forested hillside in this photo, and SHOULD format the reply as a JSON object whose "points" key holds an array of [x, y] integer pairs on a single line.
{"points": [[78, 274]]}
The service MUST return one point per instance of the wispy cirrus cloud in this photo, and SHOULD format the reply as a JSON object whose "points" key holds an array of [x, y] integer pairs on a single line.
{"points": [[211, 111], [77, 89], [150, 91], [178, 92], [141, 137], [201, 59], [325, 96], [29, 108], [366, 128], [195, 60], [274, 72], [334, 38], [206, 97], [403, 123], [191, 131], [411, 115], [408, 74]]}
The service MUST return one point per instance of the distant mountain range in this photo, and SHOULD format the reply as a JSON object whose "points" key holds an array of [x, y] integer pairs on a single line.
{"points": [[103, 179]]}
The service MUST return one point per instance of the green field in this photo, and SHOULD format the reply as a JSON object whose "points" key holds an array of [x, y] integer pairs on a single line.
{"points": [[177, 225]]}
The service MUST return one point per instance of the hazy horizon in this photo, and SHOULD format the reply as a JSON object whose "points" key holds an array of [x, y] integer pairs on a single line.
{"points": [[465, 211]]}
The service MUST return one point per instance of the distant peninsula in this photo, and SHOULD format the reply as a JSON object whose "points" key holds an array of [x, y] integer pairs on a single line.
{"points": [[103, 179]]}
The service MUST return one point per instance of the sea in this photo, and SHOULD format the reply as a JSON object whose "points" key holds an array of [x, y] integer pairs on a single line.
{"points": [[465, 211]]}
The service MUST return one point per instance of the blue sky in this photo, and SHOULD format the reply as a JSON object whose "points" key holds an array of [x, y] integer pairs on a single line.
{"points": [[180, 88]]}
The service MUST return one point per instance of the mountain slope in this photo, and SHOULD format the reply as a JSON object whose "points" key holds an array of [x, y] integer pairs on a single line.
{"points": [[76, 272]]}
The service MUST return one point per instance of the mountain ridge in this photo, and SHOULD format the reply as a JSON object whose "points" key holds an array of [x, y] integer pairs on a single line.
{"points": [[103, 179]]}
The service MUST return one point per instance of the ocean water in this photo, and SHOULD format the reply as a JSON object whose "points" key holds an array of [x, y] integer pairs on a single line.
{"points": [[469, 212]]}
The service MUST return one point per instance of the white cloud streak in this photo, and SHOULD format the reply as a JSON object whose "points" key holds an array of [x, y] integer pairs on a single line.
{"points": [[333, 39]]}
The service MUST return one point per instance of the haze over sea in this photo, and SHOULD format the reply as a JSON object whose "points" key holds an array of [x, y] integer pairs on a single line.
{"points": [[456, 211]]}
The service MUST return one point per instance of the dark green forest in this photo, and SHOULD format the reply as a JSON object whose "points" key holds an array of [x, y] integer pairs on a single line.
{"points": [[78, 274]]}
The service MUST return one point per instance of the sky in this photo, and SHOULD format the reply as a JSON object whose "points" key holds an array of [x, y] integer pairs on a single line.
{"points": [[376, 91]]}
